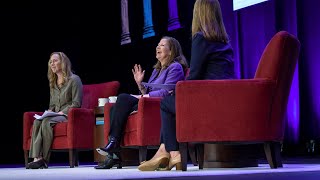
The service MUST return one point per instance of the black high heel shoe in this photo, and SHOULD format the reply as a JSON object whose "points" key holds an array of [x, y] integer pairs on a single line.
{"points": [[40, 164], [112, 147], [110, 162]]}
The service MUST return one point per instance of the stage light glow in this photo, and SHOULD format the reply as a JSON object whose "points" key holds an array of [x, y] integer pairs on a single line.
{"points": [[239, 4]]}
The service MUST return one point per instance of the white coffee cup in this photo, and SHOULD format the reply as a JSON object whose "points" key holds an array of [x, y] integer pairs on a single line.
{"points": [[102, 101], [112, 99]]}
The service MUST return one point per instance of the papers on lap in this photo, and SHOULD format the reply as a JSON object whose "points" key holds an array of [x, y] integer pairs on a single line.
{"points": [[161, 86], [46, 114]]}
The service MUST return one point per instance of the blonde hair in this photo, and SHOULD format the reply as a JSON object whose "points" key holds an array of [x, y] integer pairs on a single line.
{"points": [[207, 18], [176, 54], [66, 69]]}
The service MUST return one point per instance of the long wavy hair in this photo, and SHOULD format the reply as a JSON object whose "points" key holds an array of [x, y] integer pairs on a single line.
{"points": [[176, 54], [66, 69], [207, 18]]}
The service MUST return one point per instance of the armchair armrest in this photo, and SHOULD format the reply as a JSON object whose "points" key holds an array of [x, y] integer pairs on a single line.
{"points": [[149, 109], [27, 125], [81, 122], [216, 106]]}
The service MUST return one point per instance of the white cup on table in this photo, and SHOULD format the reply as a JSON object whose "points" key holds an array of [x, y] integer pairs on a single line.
{"points": [[102, 101], [112, 99]]}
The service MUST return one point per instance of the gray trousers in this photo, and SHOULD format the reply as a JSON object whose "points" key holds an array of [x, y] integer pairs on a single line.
{"points": [[42, 136]]}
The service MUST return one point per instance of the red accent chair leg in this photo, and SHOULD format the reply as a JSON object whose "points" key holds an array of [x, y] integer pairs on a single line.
{"points": [[200, 153], [272, 151], [192, 153], [72, 157], [142, 153], [183, 148], [26, 158]]}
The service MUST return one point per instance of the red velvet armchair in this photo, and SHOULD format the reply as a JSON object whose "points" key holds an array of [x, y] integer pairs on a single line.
{"points": [[142, 130], [77, 133], [241, 110]]}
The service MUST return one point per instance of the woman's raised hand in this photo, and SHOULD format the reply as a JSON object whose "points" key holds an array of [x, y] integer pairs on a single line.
{"points": [[138, 73]]}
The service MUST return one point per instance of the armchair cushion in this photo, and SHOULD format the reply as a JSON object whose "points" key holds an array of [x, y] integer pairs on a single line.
{"points": [[60, 129]]}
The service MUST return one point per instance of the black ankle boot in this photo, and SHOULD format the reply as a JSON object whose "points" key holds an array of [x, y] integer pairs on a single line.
{"points": [[40, 164], [111, 147], [109, 163]]}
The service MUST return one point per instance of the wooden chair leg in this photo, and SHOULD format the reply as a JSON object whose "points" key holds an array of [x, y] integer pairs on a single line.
{"points": [[72, 157], [76, 158], [26, 158], [183, 148], [200, 155], [272, 151], [192, 153], [143, 153]]}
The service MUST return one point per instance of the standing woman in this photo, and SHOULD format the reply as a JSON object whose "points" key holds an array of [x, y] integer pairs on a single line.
{"points": [[211, 58], [65, 93]]}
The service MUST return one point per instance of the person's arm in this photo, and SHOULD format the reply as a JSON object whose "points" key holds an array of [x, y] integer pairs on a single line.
{"points": [[77, 93], [175, 74], [143, 90], [198, 57]]}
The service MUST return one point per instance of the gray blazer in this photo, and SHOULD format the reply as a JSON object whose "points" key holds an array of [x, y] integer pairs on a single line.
{"points": [[68, 96]]}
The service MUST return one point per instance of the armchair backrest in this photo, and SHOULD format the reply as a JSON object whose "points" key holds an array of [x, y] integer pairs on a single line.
{"points": [[92, 92], [278, 63]]}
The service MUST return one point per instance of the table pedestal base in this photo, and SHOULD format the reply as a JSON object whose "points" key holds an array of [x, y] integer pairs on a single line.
{"points": [[230, 156]]}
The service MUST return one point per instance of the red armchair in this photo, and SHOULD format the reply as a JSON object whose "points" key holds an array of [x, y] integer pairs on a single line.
{"points": [[77, 133], [242, 110]]}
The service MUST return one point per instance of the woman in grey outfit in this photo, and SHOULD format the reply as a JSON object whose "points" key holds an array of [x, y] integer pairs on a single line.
{"points": [[65, 93]]}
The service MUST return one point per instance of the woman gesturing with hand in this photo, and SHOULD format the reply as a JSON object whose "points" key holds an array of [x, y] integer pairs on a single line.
{"points": [[138, 75], [169, 69]]}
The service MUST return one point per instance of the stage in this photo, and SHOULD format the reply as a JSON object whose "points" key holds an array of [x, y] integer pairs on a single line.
{"points": [[293, 168]]}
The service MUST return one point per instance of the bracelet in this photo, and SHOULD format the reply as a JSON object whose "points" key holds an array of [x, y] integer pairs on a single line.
{"points": [[142, 87]]}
